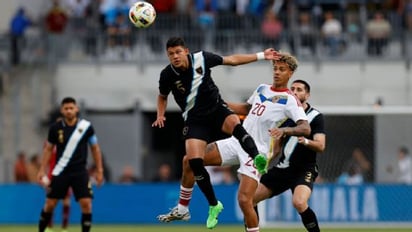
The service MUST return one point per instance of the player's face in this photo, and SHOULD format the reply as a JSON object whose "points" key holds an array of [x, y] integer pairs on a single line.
{"points": [[299, 90], [69, 111], [281, 74], [178, 56]]}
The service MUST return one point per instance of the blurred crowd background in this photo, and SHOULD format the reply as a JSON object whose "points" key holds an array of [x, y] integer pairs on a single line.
{"points": [[99, 30]]}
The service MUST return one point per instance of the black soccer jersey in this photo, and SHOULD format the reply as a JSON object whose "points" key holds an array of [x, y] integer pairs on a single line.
{"points": [[72, 157], [298, 155], [193, 89]]}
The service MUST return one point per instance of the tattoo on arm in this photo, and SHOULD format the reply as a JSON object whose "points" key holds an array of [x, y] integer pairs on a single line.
{"points": [[210, 147]]}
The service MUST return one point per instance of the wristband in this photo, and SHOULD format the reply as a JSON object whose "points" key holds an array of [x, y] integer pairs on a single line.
{"points": [[260, 55], [306, 141]]}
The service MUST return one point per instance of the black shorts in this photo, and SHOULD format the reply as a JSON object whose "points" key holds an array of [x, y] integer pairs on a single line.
{"points": [[279, 180], [207, 127], [79, 182]]}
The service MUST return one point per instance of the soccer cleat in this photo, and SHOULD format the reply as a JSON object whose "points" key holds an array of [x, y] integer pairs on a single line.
{"points": [[214, 212], [48, 229], [261, 163], [174, 215]]}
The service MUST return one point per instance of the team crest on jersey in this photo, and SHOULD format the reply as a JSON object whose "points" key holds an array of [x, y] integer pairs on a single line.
{"points": [[308, 177], [179, 86], [199, 70], [60, 136], [279, 99]]}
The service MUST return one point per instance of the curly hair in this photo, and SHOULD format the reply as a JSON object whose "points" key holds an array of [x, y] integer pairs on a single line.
{"points": [[287, 58]]}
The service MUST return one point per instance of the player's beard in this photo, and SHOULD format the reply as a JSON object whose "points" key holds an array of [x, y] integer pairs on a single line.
{"points": [[70, 117]]}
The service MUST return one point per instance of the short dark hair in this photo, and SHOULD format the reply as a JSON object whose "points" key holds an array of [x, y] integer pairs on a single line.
{"points": [[68, 100], [306, 84], [174, 42]]}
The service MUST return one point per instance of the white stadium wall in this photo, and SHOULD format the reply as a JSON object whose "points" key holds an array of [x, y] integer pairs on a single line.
{"points": [[118, 86]]}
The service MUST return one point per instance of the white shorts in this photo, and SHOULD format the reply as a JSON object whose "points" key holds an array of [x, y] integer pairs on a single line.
{"points": [[233, 154]]}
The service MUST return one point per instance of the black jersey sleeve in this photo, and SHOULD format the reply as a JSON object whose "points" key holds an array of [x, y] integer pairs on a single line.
{"points": [[318, 125], [212, 59], [52, 136], [90, 135], [164, 83]]}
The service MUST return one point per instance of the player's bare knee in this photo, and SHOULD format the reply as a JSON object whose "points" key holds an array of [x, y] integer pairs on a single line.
{"points": [[85, 205], [300, 204], [230, 123], [49, 205], [244, 200]]}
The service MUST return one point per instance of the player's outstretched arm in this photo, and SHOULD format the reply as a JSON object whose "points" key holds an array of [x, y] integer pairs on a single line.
{"points": [[161, 110], [239, 59]]}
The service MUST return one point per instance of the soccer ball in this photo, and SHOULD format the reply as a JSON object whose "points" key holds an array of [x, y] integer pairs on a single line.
{"points": [[142, 14]]}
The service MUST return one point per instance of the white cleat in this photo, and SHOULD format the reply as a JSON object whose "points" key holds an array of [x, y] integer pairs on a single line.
{"points": [[174, 215]]}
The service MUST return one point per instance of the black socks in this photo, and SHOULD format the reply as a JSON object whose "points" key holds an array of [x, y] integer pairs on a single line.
{"points": [[44, 220], [86, 222], [245, 140], [203, 180], [309, 220]]}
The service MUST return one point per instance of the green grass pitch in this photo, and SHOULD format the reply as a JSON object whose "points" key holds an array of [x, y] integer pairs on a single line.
{"points": [[192, 228]]}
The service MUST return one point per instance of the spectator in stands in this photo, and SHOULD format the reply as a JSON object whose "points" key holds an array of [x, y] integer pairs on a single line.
{"points": [[306, 32], [226, 7], [352, 176], [408, 15], [119, 37], [20, 168], [108, 12], [271, 29], [305, 6], [164, 6], [332, 33], [164, 173], [18, 26], [93, 27], [183, 6], [206, 11], [356, 169], [56, 21], [253, 7], [33, 168], [128, 176], [77, 10], [353, 27], [404, 166], [378, 31]]}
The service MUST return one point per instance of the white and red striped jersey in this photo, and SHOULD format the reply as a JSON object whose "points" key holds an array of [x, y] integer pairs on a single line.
{"points": [[270, 109]]}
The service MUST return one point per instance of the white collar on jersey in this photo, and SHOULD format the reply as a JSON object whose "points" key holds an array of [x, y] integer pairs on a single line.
{"points": [[174, 70]]}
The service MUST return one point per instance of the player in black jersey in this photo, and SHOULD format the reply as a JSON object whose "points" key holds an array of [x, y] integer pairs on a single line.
{"points": [[205, 114], [296, 169], [71, 136]]}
